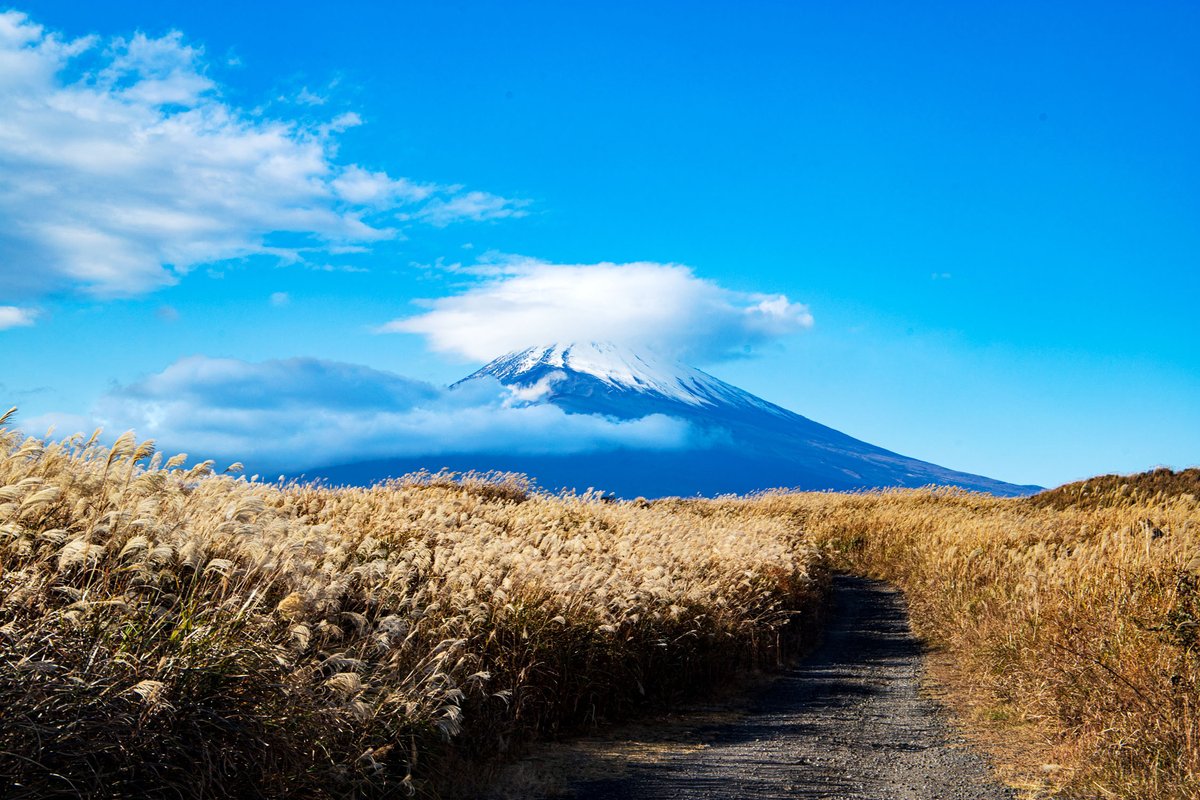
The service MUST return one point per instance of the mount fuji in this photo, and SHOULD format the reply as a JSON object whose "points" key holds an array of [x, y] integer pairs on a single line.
{"points": [[740, 443]]}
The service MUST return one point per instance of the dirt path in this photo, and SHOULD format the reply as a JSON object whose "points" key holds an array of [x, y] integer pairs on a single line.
{"points": [[849, 723]]}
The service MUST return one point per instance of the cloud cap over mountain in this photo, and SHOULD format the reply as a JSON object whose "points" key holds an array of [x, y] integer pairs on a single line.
{"points": [[663, 307]]}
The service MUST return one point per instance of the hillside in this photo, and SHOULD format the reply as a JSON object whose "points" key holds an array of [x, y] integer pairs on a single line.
{"points": [[1121, 490], [740, 443]]}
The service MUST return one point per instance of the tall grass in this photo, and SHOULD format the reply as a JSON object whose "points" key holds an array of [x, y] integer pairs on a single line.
{"points": [[170, 631], [1078, 610]]}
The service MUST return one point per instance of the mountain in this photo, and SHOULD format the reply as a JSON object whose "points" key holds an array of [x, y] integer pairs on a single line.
{"points": [[744, 443]]}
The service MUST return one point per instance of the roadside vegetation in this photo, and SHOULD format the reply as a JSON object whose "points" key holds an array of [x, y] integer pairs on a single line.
{"points": [[1072, 616], [166, 631], [169, 631]]}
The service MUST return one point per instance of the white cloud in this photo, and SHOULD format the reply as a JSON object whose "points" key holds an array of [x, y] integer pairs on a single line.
{"points": [[121, 168], [476, 206], [308, 98], [280, 299], [664, 307], [14, 317], [320, 413], [377, 189]]}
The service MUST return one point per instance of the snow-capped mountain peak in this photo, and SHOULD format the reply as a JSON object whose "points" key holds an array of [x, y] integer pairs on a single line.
{"points": [[617, 367], [737, 442]]}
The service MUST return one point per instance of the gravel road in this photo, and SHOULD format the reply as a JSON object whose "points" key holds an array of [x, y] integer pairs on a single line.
{"points": [[850, 722]]}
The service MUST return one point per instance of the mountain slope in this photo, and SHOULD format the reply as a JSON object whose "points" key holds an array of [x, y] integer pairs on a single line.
{"points": [[742, 443]]}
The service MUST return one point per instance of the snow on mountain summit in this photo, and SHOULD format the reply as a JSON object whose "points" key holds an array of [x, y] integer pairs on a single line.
{"points": [[617, 367]]}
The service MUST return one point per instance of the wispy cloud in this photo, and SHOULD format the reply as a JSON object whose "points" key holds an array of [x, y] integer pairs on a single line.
{"points": [[305, 97], [14, 317], [522, 303], [122, 168], [476, 206], [322, 412]]}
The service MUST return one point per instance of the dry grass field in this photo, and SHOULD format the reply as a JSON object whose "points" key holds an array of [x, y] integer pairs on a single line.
{"points": [[1073, 616], [175, 632], [167, 631]]}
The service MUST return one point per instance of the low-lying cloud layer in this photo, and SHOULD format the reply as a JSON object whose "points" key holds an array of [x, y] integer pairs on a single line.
{"points": [[301, 413], [121, 168], [663, 307]]}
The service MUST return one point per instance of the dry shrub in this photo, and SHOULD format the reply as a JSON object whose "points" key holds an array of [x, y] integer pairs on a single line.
{"points": [[168, 631]]}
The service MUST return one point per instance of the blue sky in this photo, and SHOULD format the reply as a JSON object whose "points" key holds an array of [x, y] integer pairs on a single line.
{"points": [[992, 214]]}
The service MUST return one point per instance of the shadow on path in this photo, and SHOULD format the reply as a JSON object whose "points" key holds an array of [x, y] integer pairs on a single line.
{"points": [[850, 722]]}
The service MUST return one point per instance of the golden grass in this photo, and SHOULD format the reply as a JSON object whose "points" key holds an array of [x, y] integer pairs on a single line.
{"points": [[167, 631], [1080, 615]]}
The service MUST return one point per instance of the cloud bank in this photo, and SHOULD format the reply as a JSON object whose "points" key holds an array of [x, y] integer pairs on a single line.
{"points": [[301, 413], [664, 307], [121, 168]]}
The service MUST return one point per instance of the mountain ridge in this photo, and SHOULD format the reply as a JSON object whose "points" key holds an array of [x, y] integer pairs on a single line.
{"points": [[742, 442]]}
